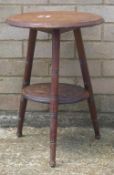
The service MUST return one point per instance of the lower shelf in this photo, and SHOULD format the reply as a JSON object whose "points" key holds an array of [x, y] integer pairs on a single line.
{"points": [[67, 93]]}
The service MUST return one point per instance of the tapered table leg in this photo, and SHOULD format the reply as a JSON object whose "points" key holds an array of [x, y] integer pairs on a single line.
{"points": [[54, 95], [86, 79], [26, 79]]}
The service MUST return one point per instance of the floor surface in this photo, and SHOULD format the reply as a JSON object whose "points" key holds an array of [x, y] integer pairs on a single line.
{"points": [[78, 153]]}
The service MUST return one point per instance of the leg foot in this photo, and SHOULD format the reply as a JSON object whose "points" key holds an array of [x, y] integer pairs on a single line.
{"points": [[93, 113], [52, 154], [19, 134], [52, 164], [22, 110]]}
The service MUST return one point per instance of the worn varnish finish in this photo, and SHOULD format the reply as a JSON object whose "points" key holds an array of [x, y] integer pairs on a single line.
{"points": [[55, 20], [55, 93]]}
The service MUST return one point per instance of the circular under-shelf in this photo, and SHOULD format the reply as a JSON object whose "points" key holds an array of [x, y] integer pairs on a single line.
{"points": [[67, 93]]}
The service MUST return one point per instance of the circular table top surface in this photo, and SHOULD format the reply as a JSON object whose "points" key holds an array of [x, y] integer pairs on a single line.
{"points": [[55, 20]]}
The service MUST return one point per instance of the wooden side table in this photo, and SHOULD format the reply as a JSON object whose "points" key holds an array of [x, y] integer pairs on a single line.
{"points": [[55, 93]]}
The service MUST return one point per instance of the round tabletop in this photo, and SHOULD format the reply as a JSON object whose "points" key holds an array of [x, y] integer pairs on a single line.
{"points": [[55, 20]]}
